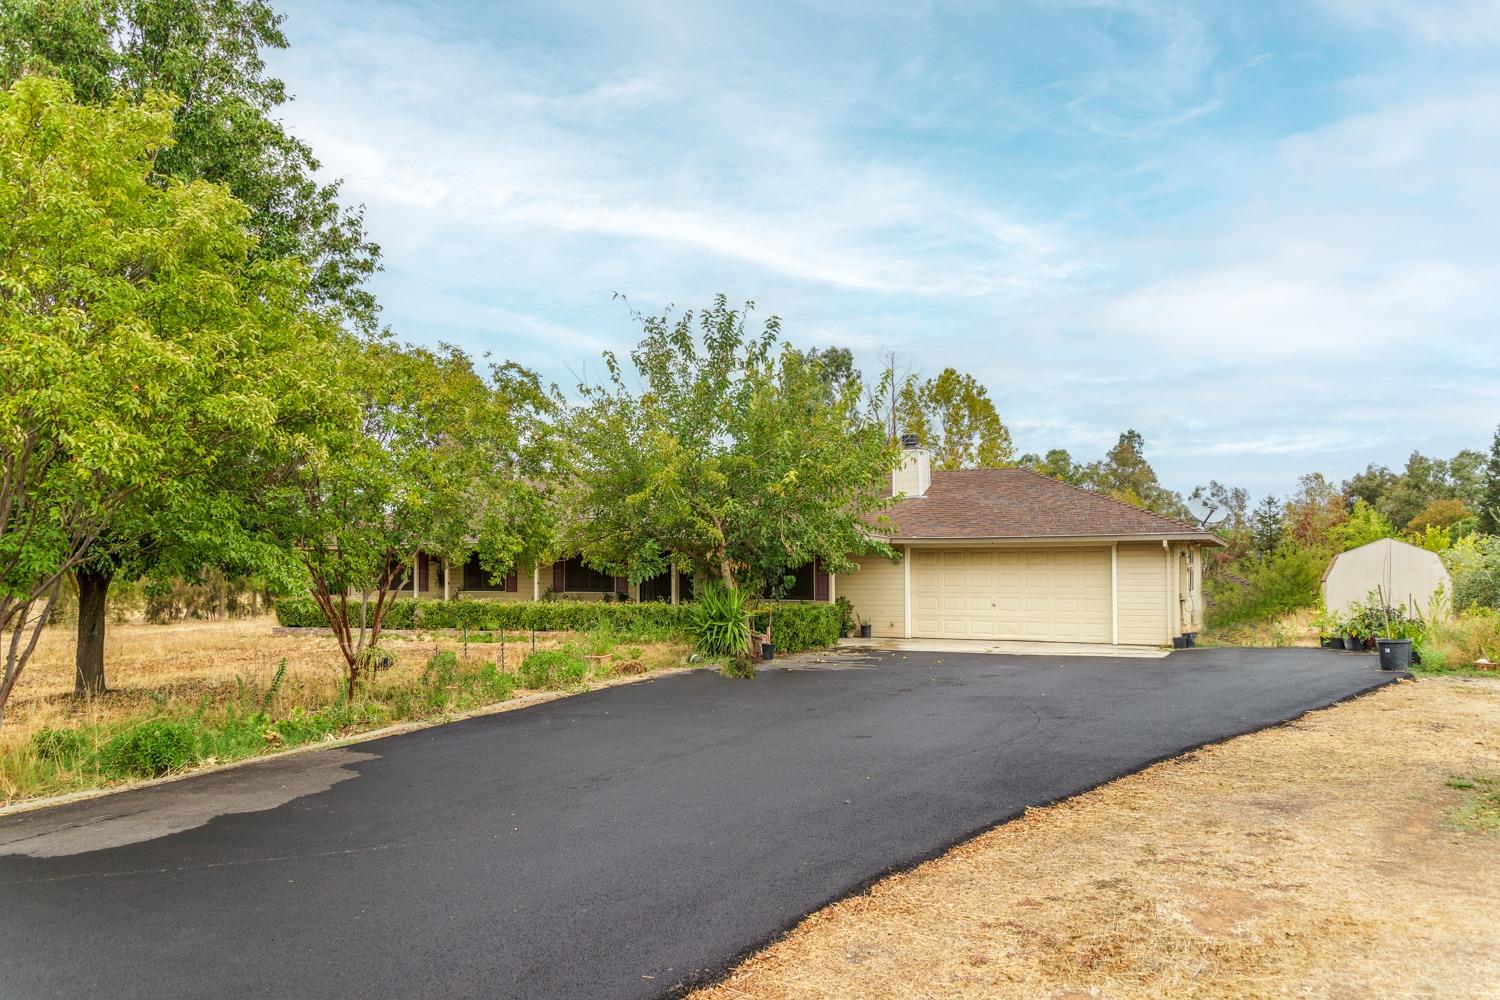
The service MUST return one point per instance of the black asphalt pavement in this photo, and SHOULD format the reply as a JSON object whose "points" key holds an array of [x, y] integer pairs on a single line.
{"points": [[620, 843]]}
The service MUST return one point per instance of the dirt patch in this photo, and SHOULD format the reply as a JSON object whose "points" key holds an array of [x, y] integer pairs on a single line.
{"points": [[1312, 860]]}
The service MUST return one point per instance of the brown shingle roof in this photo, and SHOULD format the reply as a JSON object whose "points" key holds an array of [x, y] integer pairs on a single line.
{"points": [[1017, 503]]}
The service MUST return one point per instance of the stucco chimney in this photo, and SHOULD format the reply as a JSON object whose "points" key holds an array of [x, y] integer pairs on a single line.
{"points": [[914, 474]]}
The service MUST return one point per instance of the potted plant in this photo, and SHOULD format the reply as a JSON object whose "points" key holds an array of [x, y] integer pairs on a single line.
{"points": [[864, 628], [1327, 625], [1395, 644], [1353, 640]]}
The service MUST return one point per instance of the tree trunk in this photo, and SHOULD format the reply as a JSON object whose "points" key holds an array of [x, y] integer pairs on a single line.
{"points": [[88, 673]]}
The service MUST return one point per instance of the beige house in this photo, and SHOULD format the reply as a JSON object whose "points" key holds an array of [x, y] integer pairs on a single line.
{"points": [[983, 554], [1408, 576], [1010, 554]]}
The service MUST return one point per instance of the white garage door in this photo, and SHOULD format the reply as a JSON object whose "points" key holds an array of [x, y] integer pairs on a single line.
{"points": [[1005, 593]]}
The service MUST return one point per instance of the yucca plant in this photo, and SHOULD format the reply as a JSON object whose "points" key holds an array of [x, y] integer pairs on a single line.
{"points": [[720, 622]]}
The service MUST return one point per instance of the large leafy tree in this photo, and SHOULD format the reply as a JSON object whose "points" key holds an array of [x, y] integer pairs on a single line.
{"points": [[433, 456], [953, 415], [142, 341], [1126, 475], [206, 54], [718, 452]]}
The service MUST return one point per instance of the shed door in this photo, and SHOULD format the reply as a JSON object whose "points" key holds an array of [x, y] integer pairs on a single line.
{"points": [[1062, 595]]}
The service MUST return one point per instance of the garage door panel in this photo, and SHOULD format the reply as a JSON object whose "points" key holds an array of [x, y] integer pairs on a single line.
{"points": [[1040, 594]]}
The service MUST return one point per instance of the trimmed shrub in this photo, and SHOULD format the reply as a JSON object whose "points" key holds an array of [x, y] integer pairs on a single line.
{"points": [[151, 749], [796, 628], [647, 620]]}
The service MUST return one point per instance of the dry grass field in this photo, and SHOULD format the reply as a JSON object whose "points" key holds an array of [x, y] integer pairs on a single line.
{"points": [[208, 667], [1352, 854]]}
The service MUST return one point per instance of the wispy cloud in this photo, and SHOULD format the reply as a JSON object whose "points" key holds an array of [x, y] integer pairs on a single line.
{"points": [[1183, 218]]}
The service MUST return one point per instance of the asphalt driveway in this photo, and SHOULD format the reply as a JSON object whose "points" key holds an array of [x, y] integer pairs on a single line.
{"points": [[617, 844]]}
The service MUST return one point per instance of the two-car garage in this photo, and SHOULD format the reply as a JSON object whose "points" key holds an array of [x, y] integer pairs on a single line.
{"points": [[1056, 594], [1009, 555]]}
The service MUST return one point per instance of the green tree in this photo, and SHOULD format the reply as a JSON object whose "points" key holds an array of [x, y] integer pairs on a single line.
{"points": [[431, 456], [142, 341], [1488, 507], [731, 459], [1267, 526], [1364, 525], [953, 415], [1125, 475], [1314, 510], [207, 55], [1058, 464]]}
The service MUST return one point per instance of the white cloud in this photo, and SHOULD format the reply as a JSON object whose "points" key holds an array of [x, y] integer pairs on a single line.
{"points": [[1447, 23]]}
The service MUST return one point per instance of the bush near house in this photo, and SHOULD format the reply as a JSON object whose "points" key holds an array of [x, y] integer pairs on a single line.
{"points": [[797, 627]]}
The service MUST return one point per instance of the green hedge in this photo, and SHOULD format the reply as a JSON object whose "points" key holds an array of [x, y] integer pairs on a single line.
{"points": [[795, 627], [511, 616], [799, 627]]}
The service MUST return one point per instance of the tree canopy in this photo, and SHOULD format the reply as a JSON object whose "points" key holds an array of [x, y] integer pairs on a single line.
{"points": [[206, 56], [721, 453], [141, 338], [426, 454], [953, 415]]}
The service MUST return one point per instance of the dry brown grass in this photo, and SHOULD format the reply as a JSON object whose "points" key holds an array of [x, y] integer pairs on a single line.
{"points": [[201, 664], [1295, 628], [1319, 859]]}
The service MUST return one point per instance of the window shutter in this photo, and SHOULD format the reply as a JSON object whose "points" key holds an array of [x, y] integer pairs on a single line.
{"points": [[622, 585], [512, 583], [820, 582], [559, 577]]}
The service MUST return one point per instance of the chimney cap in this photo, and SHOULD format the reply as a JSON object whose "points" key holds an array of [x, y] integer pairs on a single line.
{"points": [[910, 441]]}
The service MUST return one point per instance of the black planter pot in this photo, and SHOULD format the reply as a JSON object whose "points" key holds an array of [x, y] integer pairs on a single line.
{"points": [[1395, 654], [1331, 642], [1192, 639], [768, 651], [864, 631], [1354, 644]]}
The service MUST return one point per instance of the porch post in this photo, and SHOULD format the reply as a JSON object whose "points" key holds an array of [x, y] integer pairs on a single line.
{"points": [[447, 574], [536, 583], [416, 575], [675, 591]]}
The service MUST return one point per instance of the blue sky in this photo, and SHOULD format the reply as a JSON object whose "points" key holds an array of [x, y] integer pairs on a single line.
{"points": [[1263, 234]]}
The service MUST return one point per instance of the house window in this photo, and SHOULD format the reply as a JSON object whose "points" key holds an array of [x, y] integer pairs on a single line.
{"points": [[801, 589], [581, 579], [475, 577], [657, 588]]}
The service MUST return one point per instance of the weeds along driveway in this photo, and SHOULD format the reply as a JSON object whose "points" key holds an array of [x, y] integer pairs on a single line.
{"points": [[621, 843]]}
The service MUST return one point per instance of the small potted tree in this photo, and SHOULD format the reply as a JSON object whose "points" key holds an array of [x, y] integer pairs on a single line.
{"points": [[864, 628]]}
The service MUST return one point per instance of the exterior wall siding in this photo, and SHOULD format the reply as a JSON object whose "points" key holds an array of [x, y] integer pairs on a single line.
{"points": [[877, 591], [1143, 583]]}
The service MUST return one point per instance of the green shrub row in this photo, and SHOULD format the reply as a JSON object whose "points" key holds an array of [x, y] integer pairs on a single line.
{"points": [[649, 619], [795, 627]]}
